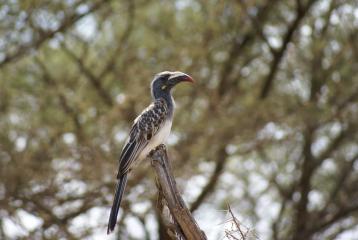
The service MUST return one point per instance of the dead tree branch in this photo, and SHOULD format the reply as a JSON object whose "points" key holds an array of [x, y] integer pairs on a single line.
{"points": [[237, 230], [181, 215]]}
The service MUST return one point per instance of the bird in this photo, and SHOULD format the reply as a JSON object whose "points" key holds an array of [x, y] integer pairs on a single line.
{"points": [[150, 129]]}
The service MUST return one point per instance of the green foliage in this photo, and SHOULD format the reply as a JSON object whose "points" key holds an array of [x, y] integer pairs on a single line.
{"points": [[269, 127]]}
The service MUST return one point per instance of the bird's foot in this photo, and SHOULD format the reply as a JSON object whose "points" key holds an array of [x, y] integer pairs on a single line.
{"points": [[151, 153], [160, 147]]}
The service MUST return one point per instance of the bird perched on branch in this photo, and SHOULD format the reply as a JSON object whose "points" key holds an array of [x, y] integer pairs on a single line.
{"points": [[150, 129]]}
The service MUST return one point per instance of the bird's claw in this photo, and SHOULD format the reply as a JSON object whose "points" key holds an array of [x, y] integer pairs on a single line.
{"points": [[161, 147], [156, 152], [152, 152]]}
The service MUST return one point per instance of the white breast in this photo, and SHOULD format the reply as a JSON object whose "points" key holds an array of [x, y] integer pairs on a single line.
{"points": [[157, 139]]}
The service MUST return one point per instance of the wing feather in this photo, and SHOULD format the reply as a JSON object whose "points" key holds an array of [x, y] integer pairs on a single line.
{"points": [[145, 126]]}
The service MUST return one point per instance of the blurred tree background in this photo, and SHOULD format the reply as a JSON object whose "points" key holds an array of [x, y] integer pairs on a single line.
{"points": [[269, 128]]}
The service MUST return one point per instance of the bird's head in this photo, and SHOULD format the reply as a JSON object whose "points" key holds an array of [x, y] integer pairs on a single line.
{"points": [[163, 82]]}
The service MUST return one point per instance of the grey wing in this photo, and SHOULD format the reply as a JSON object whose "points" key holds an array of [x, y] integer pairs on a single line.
{"points": [[144, 128]]}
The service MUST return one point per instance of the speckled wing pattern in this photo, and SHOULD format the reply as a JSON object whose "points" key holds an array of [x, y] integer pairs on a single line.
{"points": [[145, 126]]}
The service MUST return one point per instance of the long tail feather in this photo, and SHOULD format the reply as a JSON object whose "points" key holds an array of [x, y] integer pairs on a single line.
{"points": [[121, 185]]}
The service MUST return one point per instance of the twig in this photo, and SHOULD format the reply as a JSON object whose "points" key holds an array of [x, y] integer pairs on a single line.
{"points": [[238, 45], [210, 186], [69, 110], [278, 56], [167, 187], [122, 41], [257, 26], [67, 23], [92, 78], [237, 230]]}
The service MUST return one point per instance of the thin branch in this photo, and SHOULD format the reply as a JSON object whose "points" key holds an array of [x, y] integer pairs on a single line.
{"points": [[94, 80], [237, 230], [340, 229], [70, 111], [238, 44], [278, 56], [237, 224], [304, 185], [319, 78], [68, 22], [276, 224], [334, 144], [122, 42], [220, 164], [342, 178], [333, 218], [309, 166], [257, 26]]}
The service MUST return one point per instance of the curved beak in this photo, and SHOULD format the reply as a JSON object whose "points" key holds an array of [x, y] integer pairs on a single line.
{"points": [[177, 77]]}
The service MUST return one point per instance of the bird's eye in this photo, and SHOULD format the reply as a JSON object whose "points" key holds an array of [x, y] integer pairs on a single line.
{"points": [[164, 87]]}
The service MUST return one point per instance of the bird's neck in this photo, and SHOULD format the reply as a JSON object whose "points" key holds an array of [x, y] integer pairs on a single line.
{"points": [[167, 96]]}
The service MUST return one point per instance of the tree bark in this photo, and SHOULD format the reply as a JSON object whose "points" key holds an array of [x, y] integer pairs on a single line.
{"points": [[184, 225]]}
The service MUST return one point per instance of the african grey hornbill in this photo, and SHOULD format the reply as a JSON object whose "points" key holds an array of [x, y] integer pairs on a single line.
{"points": [[150, 129]]}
